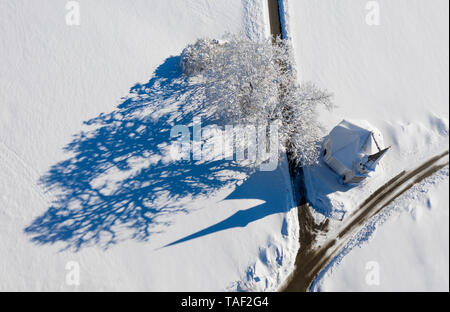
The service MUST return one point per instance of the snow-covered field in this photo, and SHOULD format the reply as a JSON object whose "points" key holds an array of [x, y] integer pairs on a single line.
{"points": [[113, 187], [85, 177], [394, 76]]}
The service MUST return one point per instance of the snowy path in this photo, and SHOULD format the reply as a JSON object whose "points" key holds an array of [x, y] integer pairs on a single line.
{"points": [[310, 262]]}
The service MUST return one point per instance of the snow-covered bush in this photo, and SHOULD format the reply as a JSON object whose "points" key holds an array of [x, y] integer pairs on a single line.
{"points": [[249, 82], [199, 56]]}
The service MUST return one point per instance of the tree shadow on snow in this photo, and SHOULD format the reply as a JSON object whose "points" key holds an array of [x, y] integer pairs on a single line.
{"points": [[118, 182], [260, 185]]}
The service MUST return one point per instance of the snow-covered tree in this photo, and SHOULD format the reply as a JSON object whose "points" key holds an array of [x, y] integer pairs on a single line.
{"points": [[254, 82]]}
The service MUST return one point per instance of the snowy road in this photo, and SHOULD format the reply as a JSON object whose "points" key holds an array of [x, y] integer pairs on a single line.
{"points": [[58, 83], [61, 82], [274, 18], [310, 261]]}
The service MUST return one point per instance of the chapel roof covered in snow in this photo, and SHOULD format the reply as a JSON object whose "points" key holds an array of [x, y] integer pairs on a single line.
{"points": [[352, 151], [348, 141]]}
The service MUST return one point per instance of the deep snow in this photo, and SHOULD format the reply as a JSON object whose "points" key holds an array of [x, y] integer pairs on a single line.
{"points": [[114, 187]]}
